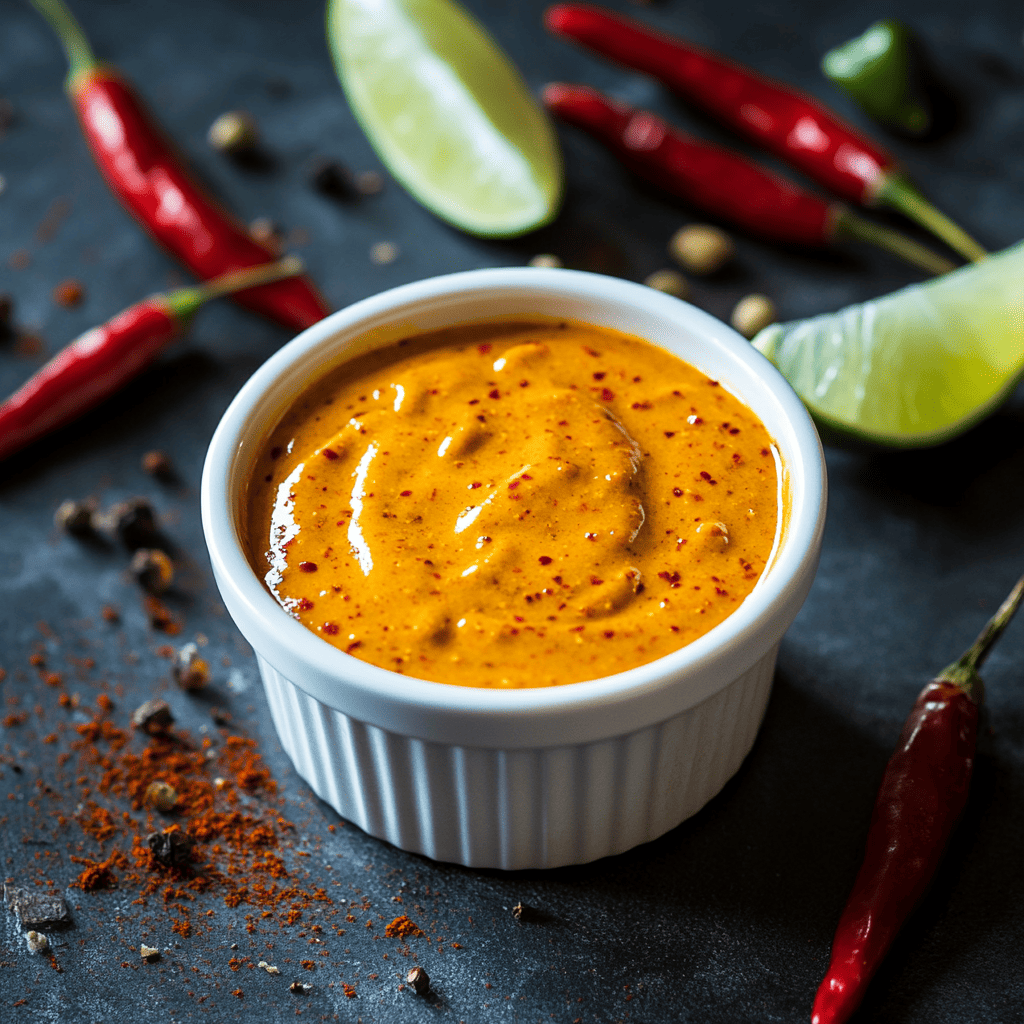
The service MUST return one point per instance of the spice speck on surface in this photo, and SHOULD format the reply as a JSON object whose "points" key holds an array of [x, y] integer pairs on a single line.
{"points": [[37, 942], [234, 133], [153, 717], [332, 179], [701, 248], [152, 569], [69, 293], [418, 980], [161, 796], [545, 260], [297, 988], [131, 522], [369, 183], [753, 313], [75, 517], [669, 281], [383, 253], [156, 463], [171, 847], [191, 672], [149, 953]]}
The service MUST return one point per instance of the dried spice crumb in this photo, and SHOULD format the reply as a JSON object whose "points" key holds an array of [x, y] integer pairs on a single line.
{"points": [[237, 993], [160, 616], [149, 953], [418, 980], [75, 517], [191, 672], [37, 942], [69, 293], [131, 522], [99, 874], [110, 613], [349, 990], [153, 717], [308, 965], [297, 988], [152, 569], [160, 796], [402, 927]]}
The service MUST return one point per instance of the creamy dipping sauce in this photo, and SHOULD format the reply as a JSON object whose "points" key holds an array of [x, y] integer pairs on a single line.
{"points": [[514, 504]]}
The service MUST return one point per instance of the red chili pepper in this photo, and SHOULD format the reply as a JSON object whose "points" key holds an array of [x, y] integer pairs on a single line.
{"points": [[721, 182], [923, 792], [782, 120], [102, 360], [144, 172]]}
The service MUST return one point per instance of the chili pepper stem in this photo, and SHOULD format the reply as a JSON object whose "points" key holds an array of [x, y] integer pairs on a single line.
{"points": [[964, 671], [898, 192], [183, 302], [848, 224], [72, 38]]}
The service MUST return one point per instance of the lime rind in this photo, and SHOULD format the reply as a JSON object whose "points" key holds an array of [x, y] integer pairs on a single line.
{"points": [[448, 113], [914, 368]]}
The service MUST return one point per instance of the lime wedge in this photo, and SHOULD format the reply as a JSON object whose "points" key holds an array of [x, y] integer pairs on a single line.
{"points": [[448, 113], [916, 367]]}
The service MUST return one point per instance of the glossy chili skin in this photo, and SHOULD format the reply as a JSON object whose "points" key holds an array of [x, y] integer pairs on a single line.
{"points": [[720, 182], [923, 793], [782, 120], [144, 172], [87, 371]]}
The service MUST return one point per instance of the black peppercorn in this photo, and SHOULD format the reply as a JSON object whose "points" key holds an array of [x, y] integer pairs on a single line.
{"points": [[153, 569], [75, 517], [132, 522], [332, 179], [191, 671], [172, 848]]}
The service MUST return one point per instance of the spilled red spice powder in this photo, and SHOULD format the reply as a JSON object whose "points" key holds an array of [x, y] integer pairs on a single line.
{"points": [[349, 990], [402, 927]]}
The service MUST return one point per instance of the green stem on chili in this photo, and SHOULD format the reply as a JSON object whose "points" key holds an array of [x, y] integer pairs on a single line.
{"points": [[79, 52], [797, 128], [923, 792]]}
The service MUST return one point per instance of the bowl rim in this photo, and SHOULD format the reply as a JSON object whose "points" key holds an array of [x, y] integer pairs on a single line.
{"points": [[583, 711]]}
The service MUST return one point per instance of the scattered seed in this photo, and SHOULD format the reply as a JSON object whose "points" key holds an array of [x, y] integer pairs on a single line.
{"points": [[132, 522], [753, 313], [37, 942], [234, 133], [75, 517], [383, 253], [272, 970], [69, 293], [669, 281], [153, 717], [156, 463], [332, 178], [545, 260], [418, 980], [173, 848], [161, 796], [369, 183], [701, 248], [149, 953], [190, 671], [297, 988], [153, 570]]}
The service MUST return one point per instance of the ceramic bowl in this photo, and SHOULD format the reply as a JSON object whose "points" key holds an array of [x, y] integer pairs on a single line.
{"points": [[523, 778]]}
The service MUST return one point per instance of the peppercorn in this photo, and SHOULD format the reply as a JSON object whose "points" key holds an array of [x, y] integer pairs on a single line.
{"points": [[190, 671], [172, 848], [153, 569], [545, 260], [75, 517], [132, 522], [701, 248], [37, 942], [234, 133], [418, 980], [149, 953], [153, 717], [69, 293], [161, 796], [669, 281], [156, 463], [752, 314], [332, 179]]}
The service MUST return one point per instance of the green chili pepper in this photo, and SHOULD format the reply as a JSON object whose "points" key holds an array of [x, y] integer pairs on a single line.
{"points": [[878, 70]]}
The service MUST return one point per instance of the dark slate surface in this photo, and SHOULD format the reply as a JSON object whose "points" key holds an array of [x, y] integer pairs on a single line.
{"points": [[729, 917]]}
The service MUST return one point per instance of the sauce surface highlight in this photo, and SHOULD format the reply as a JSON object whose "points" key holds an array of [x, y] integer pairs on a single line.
{"points": [[514, 504]]}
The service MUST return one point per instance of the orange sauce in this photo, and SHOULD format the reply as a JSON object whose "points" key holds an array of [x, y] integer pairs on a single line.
{"points": [[514, 504]]}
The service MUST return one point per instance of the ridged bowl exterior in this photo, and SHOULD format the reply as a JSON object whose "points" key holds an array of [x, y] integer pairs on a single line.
{"points": [[531, 808], [538, 777]]}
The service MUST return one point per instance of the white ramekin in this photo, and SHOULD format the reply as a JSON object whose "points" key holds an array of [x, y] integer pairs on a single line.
{"points": [[524, 778]]}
